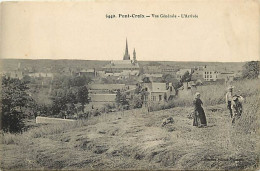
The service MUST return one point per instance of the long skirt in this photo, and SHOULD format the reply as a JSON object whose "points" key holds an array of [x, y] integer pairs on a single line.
{"points": [[199, 118]]}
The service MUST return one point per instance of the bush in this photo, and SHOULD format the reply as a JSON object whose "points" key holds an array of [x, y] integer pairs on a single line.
{"points": [[136, 102]]}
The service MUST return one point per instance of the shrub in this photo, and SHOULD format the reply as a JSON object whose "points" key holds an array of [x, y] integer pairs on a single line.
{"points": [[136, 102]]}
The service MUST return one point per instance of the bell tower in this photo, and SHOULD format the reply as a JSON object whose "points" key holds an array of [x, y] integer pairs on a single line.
{"points": [[134, 56], [126, 56]]}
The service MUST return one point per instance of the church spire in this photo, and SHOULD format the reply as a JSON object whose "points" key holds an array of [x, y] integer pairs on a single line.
{"points": [[134, 56], [126, 56]]}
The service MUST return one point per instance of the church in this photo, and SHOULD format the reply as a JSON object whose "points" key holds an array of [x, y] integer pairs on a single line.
{"points": [[125, 66]]}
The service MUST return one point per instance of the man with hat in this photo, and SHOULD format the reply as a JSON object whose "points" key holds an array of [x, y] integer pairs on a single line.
{"points": [[229, 99]]}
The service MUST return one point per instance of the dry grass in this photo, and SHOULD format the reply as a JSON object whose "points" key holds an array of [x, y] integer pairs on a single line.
{"points": [[8, 138], [135, 139], [215, 94]]}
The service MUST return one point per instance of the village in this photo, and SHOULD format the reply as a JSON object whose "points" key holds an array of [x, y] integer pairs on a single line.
{"points": [[158, 83]]}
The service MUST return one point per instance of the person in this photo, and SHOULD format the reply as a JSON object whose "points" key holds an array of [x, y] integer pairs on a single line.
{"points": [[199, 114], [237, 107], [229, 97]]}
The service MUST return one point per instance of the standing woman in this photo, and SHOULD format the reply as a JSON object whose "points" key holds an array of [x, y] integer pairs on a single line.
{"points": [[199, 114]]}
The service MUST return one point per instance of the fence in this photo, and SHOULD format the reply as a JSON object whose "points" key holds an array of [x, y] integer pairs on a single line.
{"points": [[40, 119]]}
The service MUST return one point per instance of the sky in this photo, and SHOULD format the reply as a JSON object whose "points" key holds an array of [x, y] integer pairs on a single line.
{"points": [[225, 31]]}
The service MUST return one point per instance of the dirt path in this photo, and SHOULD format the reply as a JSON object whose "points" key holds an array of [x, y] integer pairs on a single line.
{"points": [[136, 140]]}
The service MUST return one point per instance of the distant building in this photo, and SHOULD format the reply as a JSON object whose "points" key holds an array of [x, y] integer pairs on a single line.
{"points": [[16, 74], [210, 75], [152, 69], [126, 65], [41, 75], [168, 70], [87, 72]]}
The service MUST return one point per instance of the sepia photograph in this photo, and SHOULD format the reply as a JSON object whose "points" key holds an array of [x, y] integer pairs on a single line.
{"points": [[130, 85]]}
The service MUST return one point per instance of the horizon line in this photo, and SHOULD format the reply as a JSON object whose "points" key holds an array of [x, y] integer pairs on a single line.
{"points": [[120, 60]]}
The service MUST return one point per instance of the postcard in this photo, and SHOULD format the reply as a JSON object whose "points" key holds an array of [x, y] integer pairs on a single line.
{"points": [[130, 85]]}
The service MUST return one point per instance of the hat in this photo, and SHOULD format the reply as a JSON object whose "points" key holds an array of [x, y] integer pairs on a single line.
{"points": [[231, 87]]}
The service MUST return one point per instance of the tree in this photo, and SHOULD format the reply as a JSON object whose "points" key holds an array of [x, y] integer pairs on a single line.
{"points": [[118, 97], [168, 78], [251, 70], [15, 100], [121, 98], [138, 89], [175, 83], [83, 96], [186, 77]]}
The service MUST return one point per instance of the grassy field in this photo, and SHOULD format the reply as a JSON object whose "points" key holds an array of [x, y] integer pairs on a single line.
{"points": [[136, 139]]}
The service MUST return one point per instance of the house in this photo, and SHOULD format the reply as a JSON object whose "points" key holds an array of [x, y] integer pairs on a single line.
{"points": [[87, 72], [157, 92], [210, 75]]}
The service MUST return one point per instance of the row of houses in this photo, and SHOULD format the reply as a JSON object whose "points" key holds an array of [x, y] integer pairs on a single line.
{"points": [[155, 91]]}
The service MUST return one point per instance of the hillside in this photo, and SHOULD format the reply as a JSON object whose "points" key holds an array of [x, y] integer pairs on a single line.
{"points": [[135, 139]]}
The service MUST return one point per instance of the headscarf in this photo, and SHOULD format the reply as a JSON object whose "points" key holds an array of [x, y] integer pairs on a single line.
{"points": [[196, 94]]}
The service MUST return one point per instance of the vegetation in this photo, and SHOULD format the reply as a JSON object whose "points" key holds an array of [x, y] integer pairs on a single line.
{"points": [[67, 93], [121, 100], [186, 77], [135, 135], [168, 78], [251, 70], [138, 137], [15, 100]]}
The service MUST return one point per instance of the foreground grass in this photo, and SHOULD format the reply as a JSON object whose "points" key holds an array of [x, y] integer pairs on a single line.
{"points": [[135, 139]]}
